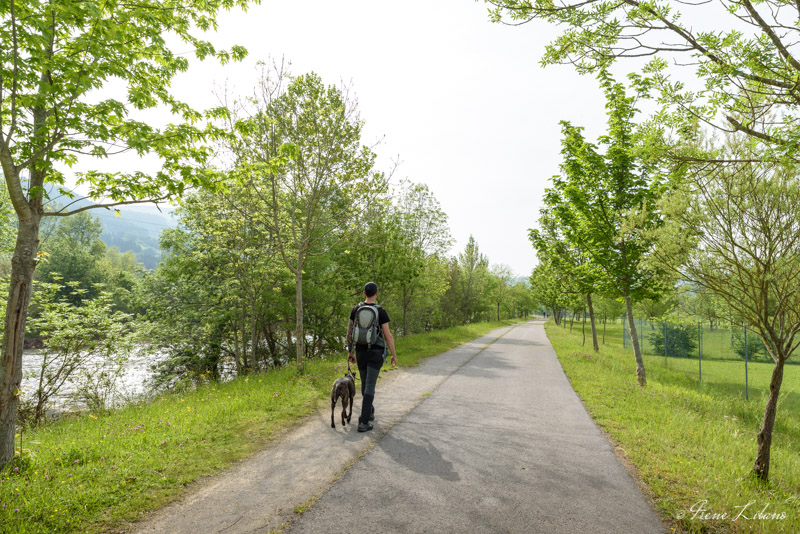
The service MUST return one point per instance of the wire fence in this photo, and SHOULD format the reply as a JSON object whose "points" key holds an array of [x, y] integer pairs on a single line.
{"points": [[739, 348]]}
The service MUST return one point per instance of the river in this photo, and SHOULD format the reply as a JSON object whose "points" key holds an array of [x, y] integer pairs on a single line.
{"points": [[132, 384]]}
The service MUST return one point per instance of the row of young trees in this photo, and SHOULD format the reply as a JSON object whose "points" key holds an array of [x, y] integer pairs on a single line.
{"points": [[702, 196], [223, 301], [274, 242], [266, 270]]}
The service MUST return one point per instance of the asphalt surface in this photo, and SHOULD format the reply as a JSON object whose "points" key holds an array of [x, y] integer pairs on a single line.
{"points": [[264, 493], [488, 437], [502, 445]]}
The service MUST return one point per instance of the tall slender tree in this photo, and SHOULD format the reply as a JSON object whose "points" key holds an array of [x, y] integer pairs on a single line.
{"points": [[318, 197], [552, 246], [55, 57], [605, 203], [474, 267], [734, 232]]}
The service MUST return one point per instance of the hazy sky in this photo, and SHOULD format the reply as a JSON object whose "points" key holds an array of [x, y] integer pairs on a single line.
{"points": [[463, 101]]}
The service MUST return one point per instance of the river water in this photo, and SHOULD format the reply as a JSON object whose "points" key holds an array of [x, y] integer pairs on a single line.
{"points": [[133, 383]]}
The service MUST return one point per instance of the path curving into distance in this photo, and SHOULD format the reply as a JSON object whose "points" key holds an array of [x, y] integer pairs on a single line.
{"points": [[487, 437]]}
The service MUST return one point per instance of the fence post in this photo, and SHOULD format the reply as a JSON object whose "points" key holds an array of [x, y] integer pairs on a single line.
{"points": [[700, 351], [746, 392], [700, 338]]}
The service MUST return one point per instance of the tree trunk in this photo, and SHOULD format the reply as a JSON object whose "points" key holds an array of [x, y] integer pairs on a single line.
{"points": [[498, 311], [583, 328], [300, 340], [637, 351], [19, 298], [405, 313], [761, 467], [272, 346], [592, 321], [236, 350], [245, 359], [604, 329], [253, 332]]}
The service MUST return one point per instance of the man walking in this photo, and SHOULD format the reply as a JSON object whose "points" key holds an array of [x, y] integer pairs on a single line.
{"points": [[368, 336]]}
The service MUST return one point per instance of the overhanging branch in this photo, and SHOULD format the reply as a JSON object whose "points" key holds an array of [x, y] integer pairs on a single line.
{"points": [[62, 213]]}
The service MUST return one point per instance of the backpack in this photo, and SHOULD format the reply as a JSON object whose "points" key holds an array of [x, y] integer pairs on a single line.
{"points": [[366, 329]]}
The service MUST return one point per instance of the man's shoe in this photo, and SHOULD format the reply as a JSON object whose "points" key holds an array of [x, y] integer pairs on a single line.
{"points": [[364, 427]]}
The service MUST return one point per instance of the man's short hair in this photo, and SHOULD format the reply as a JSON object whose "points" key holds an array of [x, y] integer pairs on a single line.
{"points": [[370, 289]]}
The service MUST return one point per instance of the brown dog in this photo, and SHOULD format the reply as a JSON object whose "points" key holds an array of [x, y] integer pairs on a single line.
{"points": [[345, 388]]}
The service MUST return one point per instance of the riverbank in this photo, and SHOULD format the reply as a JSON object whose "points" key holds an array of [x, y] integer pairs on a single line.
{"points": [[90, 473], [693, 443]]}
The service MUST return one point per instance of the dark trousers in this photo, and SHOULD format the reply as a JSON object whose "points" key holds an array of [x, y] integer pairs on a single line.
{"points": [[369, 366]]}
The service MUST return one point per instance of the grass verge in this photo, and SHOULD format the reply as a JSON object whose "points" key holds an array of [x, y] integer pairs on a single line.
{"points": [[694, 443], [90, 473]]}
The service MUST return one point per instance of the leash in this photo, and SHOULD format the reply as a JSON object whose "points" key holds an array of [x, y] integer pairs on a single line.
{"points": [[351, 371]]}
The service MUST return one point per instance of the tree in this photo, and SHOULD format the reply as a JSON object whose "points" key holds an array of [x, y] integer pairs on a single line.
{"points": [[653, 308], [121, 273], [74, 336], [551, 289], [474, 269], [608, 307], [222, 275], [694, 301], [551, 244], [55, 56], [521, 298], [73, 254], [605, 204], [401, 249], [320, 195], [734, 231], [747, 73], [424, 237], [500, 284]]}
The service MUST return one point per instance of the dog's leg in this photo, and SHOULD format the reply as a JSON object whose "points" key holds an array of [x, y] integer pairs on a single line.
{"points": [[352, 397], [333, 405], [344, 409]]}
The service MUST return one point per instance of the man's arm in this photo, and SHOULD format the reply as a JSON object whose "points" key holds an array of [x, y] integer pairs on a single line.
{"points": [[390, 342], [350, 356]]}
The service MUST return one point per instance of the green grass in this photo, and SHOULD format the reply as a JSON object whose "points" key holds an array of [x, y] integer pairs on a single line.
{"points": [[716, 343], [91, 473], [693, 441]]}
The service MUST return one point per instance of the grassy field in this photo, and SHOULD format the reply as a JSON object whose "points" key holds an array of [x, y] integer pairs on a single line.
{"points": [[694, 443], [716, 343], [90, 473]]}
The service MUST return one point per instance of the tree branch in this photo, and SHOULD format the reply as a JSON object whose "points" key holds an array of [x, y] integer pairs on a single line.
{"points": [[61, 213], [771, 34], [14, 76], [738, 126]]}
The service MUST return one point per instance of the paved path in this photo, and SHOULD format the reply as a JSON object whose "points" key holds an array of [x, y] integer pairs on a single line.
{"points": [[488, 437]]}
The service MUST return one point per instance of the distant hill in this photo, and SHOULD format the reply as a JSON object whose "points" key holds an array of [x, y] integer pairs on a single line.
{"points": [[137, 229]]}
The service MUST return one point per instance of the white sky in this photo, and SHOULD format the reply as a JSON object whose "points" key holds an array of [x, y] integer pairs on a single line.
{"points": [[462, 101]]}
